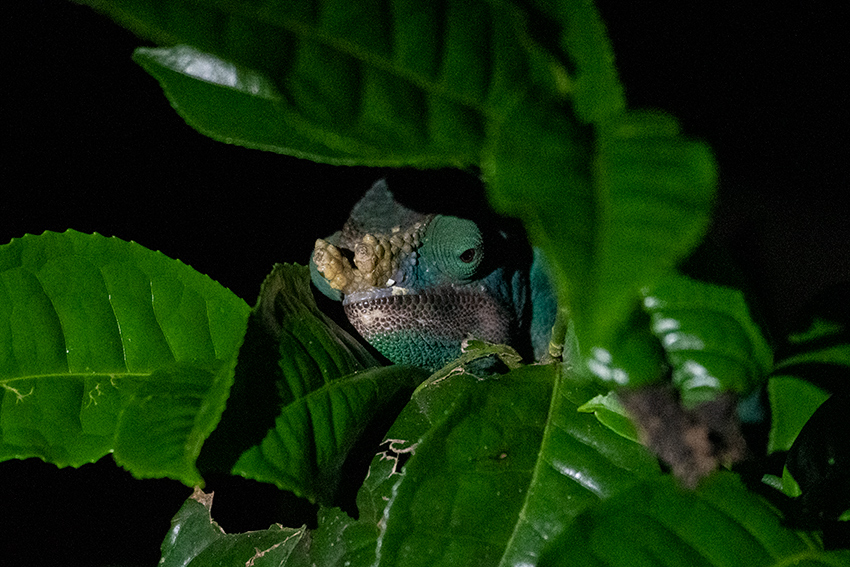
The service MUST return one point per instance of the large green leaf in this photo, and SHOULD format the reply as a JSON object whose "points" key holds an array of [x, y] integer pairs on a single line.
{"points": [[656, 523], [574, 36], [496, 467], [503, 466], [365, 82], [613, 211], [232, 104], [313, 437], [373, 83], [106, 346]]}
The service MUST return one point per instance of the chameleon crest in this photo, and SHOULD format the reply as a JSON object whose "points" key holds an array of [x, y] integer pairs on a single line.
{"points": [[416, 285]]}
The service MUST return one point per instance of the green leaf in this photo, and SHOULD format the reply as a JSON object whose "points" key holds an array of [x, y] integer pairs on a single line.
{"points": [[325, 391], [499, 468], [709, 337], [343, 540], [495, 467], [655, 523], [814, 363], [312, 350], [582, 58], [503, 465], [195, 540], [163, 427], [613, 214], [232, 104], [399, 83], [789, 484], [792, 402], [370, 83], [611, 413], [338, 540], [106, 346], [315, 434]]}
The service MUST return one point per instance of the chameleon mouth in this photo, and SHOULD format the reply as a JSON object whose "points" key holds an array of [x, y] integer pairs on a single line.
{"points": [[376, 293]]}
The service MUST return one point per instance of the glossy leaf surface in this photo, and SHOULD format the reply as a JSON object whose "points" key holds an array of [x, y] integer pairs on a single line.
{"points": [[106, 346], [655, 523], [708, 336], [370, 83], [479, 472], [231, 104], [505, 471]]}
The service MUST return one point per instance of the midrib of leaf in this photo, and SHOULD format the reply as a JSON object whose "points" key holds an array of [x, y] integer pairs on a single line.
{"points": [[559, 462], [511, 549], [567, 395]]}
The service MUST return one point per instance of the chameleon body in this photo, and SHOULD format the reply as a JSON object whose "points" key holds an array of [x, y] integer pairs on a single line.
{"points": [[416, 285]]}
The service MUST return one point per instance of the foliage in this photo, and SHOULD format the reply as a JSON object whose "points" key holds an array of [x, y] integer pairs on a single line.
{"points": [[106, 347]]}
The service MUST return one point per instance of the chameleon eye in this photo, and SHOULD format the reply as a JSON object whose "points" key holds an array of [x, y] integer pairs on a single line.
{"points": [[468, 256]]}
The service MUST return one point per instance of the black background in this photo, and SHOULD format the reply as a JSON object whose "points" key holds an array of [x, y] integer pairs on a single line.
{"points": [[92, 144]]}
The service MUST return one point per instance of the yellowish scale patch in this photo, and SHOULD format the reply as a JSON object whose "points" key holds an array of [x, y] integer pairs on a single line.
{"points": [[377, 258]]}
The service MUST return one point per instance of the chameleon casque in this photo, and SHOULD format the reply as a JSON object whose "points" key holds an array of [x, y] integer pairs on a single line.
{"points": [[415, 285]]}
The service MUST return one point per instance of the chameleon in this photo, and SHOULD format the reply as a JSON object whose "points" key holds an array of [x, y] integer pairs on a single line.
{"points": [[417, 285]]}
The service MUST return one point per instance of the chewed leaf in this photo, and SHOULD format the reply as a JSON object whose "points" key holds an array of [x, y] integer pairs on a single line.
{"points": [[106, 346], [195, 540]]}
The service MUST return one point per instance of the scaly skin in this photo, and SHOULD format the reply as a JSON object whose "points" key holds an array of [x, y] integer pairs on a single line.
{"points": [[415, 285]]}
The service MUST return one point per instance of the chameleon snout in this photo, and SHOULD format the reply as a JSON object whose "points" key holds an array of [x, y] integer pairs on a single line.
{"points": [[379, 260]]}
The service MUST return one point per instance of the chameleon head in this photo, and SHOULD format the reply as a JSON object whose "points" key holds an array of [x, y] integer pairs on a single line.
{"points": [[413, 288]]}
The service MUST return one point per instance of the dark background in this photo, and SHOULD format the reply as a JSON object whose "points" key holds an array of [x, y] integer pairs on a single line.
{"points": [[92, 144]]}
